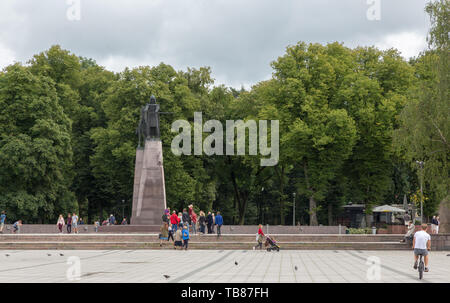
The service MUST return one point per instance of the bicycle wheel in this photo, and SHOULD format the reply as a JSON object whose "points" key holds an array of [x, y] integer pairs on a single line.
{"points": [[421, 268]]}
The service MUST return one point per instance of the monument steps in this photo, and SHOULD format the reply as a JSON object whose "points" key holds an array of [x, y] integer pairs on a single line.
{"points": [[151, 241], [199, 245], [194, 238]]}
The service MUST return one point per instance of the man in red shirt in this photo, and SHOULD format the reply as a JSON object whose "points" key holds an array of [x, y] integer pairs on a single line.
{"points": [[174, 221]]}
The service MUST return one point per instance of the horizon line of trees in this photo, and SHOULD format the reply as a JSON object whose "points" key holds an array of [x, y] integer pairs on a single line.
{"points": [[352, 124]]}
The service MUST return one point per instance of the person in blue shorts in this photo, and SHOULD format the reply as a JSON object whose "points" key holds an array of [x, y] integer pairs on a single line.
{"points": [[2, 221], [17, 226]]}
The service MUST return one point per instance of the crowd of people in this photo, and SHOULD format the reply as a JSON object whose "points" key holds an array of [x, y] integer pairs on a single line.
{"points": [[411, 228], [72, 221], [435, 222], [176, 226]]}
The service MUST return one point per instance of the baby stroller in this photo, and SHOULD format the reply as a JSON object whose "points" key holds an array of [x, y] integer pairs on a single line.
{"points": [[271, 244]]}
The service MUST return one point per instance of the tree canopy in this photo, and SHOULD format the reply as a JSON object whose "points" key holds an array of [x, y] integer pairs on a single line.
{"points": [[352, 123]]}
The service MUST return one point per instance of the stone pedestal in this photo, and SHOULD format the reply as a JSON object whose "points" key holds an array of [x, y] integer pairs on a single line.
{"points": [[149, 193]]}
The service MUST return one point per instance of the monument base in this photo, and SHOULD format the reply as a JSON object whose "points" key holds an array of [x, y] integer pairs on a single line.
{"points": [[149, 193]]}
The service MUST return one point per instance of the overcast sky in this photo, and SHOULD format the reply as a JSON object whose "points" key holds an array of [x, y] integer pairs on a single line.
{"points": [[237, 38]]}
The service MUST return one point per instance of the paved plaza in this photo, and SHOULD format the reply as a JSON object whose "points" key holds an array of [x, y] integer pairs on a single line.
{"points": [[206, 266]]}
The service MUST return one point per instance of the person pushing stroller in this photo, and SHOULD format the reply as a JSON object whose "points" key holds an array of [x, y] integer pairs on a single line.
{"points": [[259, 238]]}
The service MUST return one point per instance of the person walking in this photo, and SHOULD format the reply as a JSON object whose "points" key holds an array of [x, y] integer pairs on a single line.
{"points": [[75, 223], [164, 233], [166, 216], [60, 223], [17, 226], [2, 221], [170, 230], [209, 221], [185, 237], [259, 238], [219, 222], [410, 232], [186, 218], [174, 221], [434, 224], [438, 222], [180, 219], [213, 222], [69, 223], [193, 217], [112, 219], [178, 238], [201, 222]]}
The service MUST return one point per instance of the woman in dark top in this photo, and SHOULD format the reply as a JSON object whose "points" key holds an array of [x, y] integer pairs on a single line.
{"points": [[209, 222], [69, 223], [201, 222]]}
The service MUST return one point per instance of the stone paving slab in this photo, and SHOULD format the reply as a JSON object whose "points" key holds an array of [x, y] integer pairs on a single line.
{"points": [[213, 266]]}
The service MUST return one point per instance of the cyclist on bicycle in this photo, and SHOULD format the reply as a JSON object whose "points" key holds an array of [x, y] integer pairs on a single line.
{"points": [[421, 245]]}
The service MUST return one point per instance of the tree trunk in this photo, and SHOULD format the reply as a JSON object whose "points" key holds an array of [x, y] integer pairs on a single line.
{"points": [[241, 202], [234, 213], [100, 217], [330, 214], [89, 212], [312, 212], [312, 201], [281, 201]]}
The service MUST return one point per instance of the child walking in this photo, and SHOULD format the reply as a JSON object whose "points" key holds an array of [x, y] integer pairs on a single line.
{"points": [[185, 237], [178, 238]]}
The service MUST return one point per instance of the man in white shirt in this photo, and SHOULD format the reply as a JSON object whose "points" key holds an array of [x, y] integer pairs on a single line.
{"points": [[421, 245], [75, 222]]}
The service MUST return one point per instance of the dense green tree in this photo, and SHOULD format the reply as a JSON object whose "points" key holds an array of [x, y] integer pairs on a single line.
{"points": [[424, 122], [315, 138], [35, 148]]}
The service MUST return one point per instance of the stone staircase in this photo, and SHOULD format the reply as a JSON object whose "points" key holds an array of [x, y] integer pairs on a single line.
{"points": [[235, 241]]}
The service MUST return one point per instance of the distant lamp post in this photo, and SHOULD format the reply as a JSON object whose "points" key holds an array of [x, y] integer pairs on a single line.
{"points": [[421, 164], [293, 211], [123, 209], [262, 205]]}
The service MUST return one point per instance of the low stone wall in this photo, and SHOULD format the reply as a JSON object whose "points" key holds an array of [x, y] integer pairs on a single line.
{"points": [[281, 229], [440, 242], [226, 229]]}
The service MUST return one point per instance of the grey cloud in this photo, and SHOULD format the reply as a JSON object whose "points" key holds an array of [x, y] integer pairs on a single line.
{"points": [[238, 39]]}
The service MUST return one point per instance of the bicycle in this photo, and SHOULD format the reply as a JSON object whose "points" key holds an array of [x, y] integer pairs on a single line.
{"points": [[421, 267]]}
